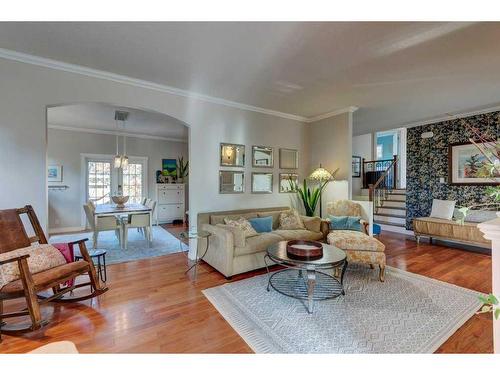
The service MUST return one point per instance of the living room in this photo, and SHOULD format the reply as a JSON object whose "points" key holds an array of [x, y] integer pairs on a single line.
{"points": [[283, 160]]}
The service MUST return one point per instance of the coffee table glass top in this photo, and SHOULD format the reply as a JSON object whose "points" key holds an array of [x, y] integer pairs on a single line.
{"points": [[331, 255]]}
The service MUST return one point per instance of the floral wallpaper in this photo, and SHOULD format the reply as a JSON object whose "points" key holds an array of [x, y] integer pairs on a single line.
{"points": [[427, 161]]}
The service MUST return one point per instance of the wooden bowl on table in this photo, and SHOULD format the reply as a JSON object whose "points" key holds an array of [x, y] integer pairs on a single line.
{"points": [[305, 250]]}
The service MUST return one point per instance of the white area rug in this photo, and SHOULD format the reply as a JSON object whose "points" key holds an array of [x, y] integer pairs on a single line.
{"points": [[163, 243], [408, 313]]}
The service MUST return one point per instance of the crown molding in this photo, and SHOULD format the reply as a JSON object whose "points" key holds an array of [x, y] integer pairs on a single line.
{"points": [[112, 132], [350, 109], [450, 116], [101, 74]]}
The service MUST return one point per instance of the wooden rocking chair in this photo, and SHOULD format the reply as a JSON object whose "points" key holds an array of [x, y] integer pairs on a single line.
{"points": [[12, 237]]}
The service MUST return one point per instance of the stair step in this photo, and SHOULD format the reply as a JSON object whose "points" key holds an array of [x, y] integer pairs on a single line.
{"points": [[390, 215], [396, 197], [382, 222], [390, 219], [392, 207]]}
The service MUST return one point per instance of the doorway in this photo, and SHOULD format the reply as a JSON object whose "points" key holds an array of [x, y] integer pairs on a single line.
{"points": [[388, 144]]}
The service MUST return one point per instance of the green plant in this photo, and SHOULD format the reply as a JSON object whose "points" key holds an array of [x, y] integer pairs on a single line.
{"points": [[182, 168], [310, 198], [490, 302]]}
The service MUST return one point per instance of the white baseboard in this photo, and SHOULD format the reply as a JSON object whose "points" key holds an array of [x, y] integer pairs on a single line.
{"points": [[66, 229], [390, 228]]}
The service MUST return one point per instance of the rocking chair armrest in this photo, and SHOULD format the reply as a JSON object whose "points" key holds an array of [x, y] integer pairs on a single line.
{"points": [[16, 259], [78, 241]]}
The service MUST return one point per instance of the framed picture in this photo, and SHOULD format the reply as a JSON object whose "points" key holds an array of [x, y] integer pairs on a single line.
{"points": [[464, 166], [356, 166], [262, 157], [288, 181], [54, 173], [231, 182], [262, 183], [289, 159], [232, 155], [169, 167]]}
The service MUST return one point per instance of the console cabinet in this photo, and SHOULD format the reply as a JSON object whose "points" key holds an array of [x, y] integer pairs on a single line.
{"points": [[170, 204]]}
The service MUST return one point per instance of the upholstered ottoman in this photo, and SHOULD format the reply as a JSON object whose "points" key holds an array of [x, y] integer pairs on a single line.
{"points": [[360, 248]]}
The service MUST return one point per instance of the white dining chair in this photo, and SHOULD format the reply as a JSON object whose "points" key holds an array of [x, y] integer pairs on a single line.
{"points": [[139, 221], [102, 224]]}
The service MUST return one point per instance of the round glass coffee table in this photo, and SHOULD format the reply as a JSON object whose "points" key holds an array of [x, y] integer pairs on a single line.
{"points": [[307, 280]]}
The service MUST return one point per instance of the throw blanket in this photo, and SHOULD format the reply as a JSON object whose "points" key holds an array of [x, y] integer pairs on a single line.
{"points": [[42, 257]]}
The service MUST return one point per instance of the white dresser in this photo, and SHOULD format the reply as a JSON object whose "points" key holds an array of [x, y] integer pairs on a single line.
{"points": [[170, 204]]}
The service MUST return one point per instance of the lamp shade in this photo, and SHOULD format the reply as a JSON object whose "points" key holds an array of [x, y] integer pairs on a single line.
{"points": [[321, 174]]}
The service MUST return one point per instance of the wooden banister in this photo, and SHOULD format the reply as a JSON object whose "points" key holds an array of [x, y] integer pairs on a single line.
{"points": [[386, 182]]}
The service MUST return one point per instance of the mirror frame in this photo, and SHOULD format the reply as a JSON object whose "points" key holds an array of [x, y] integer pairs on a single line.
{"points": [[263, 173], [267, 148], [281, 178], [231, 192], [221, 158], [296, 158]]}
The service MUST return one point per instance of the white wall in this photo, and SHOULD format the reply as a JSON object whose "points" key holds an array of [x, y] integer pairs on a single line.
{"points": [[65, 148], [362, 145], [331, 145], [26, 91]]}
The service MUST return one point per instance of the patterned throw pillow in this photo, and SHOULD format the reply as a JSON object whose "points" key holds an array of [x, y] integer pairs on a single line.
{"points": [[291, 220], [242, 224]]}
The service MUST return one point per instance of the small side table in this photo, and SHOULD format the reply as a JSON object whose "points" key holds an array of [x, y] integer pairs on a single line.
{"points": [[193, 234], [97, 254]]}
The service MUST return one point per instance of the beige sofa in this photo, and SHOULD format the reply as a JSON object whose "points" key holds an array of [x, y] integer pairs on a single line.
{"points": [[231, 257]]}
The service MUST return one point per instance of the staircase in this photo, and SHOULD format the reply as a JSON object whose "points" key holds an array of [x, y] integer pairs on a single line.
{"points": [[390, 211]]}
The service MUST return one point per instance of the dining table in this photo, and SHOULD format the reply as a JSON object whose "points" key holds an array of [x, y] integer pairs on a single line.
{"points": [[128, 208]]}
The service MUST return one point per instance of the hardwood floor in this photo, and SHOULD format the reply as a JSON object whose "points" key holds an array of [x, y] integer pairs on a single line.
{"points": [[152, 306]]}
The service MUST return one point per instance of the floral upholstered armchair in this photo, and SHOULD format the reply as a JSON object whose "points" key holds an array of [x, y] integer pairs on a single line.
{"points": [[349, 232]]}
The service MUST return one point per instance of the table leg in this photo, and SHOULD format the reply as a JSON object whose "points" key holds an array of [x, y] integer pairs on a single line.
{"points": [[344, 267], [268, 274], [311, 282], [104, 268]]}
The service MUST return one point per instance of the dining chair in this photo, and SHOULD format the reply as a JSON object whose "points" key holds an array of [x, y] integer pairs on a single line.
{"points": [[139, 221], [102, 224]]}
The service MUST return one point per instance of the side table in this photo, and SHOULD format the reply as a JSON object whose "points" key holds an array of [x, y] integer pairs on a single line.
{"points": [[194, 234], [97, 254]]}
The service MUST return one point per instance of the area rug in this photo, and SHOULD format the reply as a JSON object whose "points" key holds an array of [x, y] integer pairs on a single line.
{"points": [[163, 243], [408, 313]]}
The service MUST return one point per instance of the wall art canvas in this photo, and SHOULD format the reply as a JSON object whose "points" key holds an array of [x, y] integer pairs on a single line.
{"points": [[467, 165], [169, 167], [54, 173]]}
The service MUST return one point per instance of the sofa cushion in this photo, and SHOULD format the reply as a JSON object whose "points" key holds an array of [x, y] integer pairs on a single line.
{"points": [[275, 215], [219, 219], [442, 209], [257, 244], [262, 224], [353, 240], [312, 223], [242, 224], [298, 234], [291, 220], [239, 236]]}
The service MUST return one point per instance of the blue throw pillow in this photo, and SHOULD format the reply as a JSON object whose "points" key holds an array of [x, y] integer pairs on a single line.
{"points": [[338, 222], [345, 223], [262, 224], [353, 223]]}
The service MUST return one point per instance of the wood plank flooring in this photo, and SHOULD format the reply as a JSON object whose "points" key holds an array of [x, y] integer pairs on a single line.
{"points": [[153, 307]]}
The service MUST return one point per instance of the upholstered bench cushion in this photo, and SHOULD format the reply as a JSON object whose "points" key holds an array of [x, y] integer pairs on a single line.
{"points": [[353, 240], [41, 257], [42, 280]]}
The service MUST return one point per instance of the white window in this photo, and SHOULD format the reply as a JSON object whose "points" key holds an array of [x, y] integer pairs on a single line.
{"points": [[133, 181], [98, 181]]}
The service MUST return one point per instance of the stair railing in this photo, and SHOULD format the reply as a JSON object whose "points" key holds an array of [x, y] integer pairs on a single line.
{"points": [[384, 184]]}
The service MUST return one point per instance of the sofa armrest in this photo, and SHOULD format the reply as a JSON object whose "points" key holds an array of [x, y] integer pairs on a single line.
{"points": [[325, 227], [220, 252], [364, 226]]}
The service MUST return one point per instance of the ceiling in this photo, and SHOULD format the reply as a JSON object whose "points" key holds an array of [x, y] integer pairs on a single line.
{"points": [[100, 118], [396, 73]]}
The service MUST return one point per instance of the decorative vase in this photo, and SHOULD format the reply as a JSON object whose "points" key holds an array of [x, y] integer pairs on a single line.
{"points": [[120, 200]]}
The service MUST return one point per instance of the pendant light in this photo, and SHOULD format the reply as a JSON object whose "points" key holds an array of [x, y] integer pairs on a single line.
{"points": [[121, 161]]}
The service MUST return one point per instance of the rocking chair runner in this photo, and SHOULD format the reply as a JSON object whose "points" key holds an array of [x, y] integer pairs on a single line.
{"points": [[12, 237]]}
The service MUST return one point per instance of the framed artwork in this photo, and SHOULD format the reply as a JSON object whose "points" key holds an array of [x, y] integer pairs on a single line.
{"points": [[289, 159], [464, 166], [232, 155], [169, 167], [262, 157], [288, 181], [231, 182], [262, 183], [356, 166], [54, 173]]}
